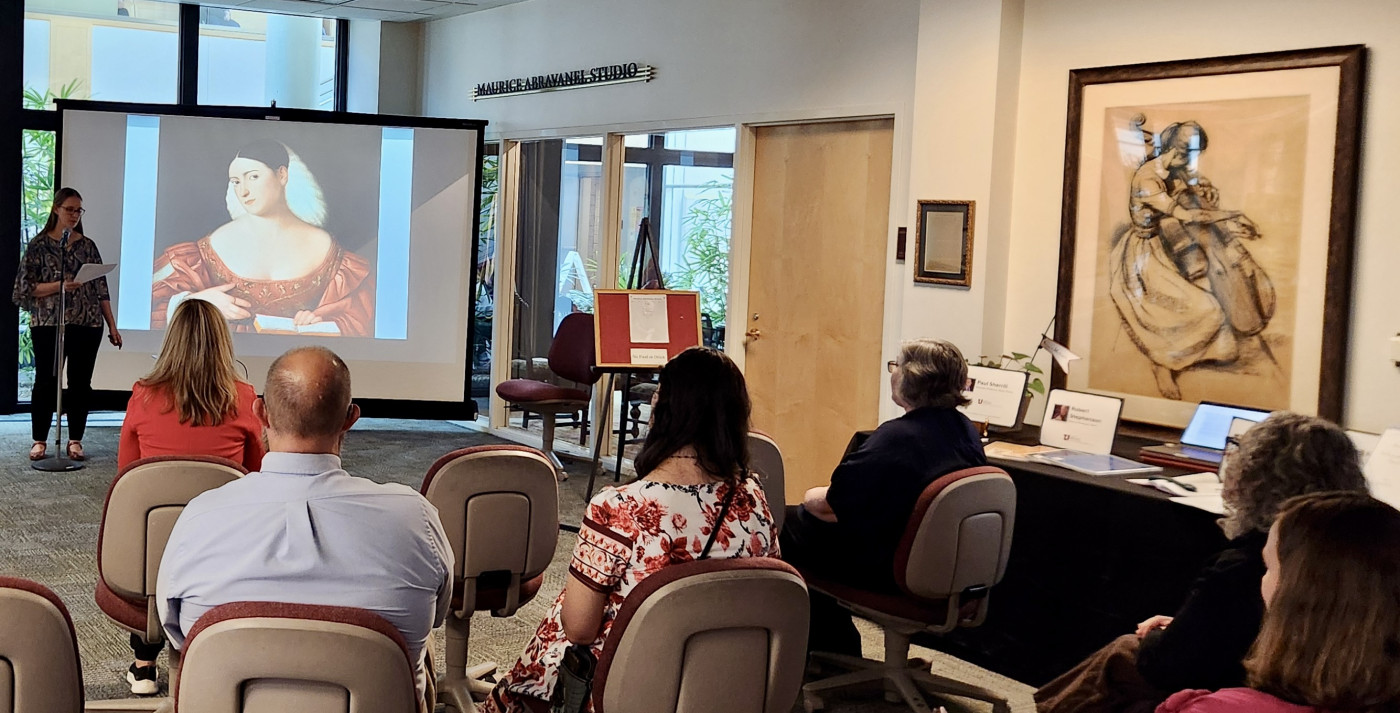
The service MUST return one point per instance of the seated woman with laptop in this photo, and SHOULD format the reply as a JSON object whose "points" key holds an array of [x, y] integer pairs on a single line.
{"points": [[1203, 645], [849, 531]]}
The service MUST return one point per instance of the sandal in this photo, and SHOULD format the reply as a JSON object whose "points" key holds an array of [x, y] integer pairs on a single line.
{"points": [[75, 451], [38, 451]]}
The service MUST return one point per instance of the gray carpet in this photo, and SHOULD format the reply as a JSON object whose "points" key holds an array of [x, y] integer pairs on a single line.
{"points": [[49, 522]]}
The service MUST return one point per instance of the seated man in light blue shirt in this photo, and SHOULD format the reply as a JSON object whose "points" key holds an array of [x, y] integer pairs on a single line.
{"points": [[303, 530]]}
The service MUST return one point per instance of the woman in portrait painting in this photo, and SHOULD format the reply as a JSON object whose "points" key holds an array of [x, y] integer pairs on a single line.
{"points": [[272, 258], [1186, 288]]}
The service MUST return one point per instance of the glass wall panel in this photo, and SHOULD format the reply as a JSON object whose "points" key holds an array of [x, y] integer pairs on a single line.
{"points": [[683, 182], [109, 50], [36, 197], [485, 279], [559, 245], [236, 48]]}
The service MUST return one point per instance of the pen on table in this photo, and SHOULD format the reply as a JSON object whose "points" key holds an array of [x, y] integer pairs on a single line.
{"points": [[1184, 486]]}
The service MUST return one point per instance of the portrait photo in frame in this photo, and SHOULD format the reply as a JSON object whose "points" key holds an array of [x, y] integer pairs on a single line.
{"points": [[1206, 235], [943, 243]]}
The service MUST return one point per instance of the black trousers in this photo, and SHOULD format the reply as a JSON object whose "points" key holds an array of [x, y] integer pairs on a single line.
{"points": [[80, 349], [144, 651], [804, 545]]}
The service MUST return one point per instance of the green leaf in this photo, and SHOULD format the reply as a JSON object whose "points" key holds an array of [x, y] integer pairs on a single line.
{"points": [[1018, 356], [1033, 369], [1037, 387]]}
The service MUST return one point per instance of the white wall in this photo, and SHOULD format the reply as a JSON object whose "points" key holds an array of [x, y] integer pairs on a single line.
{"points": [[716, 60], [1061, 35]]}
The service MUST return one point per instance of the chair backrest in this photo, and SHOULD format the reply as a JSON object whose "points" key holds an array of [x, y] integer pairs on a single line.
{"points": [[959, 536], [143, 503], [249, 657], [571, 354], [767, 460], [709, 635], [499, 506], [39, 670]]}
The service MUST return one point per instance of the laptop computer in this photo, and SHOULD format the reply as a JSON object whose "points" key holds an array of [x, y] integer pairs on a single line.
{"points": [[1203, 442]]}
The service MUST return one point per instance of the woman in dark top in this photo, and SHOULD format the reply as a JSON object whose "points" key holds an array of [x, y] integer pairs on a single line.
{"points": [[48, 268], [1204, 644], [849, 531]]}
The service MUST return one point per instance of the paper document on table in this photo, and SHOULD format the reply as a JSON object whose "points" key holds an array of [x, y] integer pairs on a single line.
{"points": [[91, 271], [646, 315], [1383, 468], [1209, 503], [1204, 484]]}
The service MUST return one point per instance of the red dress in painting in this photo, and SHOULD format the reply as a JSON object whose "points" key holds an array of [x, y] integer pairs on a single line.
{"points": [[340, 290]]}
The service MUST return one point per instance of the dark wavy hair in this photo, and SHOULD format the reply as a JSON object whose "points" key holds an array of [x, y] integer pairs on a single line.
{"points": [[1331, 634], [59, 197], [702, 402], [1285, 455]]}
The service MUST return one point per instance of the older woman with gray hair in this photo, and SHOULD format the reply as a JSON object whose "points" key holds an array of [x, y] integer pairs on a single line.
{"points": [[849, 531], [1204, 644]]}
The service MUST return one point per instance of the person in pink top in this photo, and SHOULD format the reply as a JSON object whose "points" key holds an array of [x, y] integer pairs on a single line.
{"points": [[192, 403], [1331, 636]]}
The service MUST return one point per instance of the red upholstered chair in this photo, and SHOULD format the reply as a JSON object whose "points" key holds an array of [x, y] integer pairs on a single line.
{"points": [[142, 505], [499, 506], [712, 635], [39, 670], [252, 657], [767, 460], [954, 550], [571, 356]]}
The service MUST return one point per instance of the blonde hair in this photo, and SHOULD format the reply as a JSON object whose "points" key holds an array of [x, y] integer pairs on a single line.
{"points": [[195, 367]]}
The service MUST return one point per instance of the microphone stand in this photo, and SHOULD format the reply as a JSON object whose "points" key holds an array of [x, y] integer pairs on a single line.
{"points": [[60, 462]]}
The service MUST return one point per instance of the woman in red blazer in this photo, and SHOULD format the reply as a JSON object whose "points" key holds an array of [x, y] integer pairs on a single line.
{"points": [[192, 403]]}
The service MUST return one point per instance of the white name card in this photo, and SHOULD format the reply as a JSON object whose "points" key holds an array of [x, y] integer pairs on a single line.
{"points": [[1383, 468], [995, 395], [649, 357], [1080, 421]]}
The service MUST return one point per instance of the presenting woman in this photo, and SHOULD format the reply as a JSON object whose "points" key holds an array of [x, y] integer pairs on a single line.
{"points": [[49, 266], [272, 259]]}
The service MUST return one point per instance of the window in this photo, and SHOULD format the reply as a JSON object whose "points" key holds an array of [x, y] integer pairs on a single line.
{"points": [[122, 50], [683, 181], [485, 282], [36, 195], [236, 48]]}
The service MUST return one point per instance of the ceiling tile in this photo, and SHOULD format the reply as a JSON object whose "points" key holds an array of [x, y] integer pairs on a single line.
{"points": [[396, 5]]}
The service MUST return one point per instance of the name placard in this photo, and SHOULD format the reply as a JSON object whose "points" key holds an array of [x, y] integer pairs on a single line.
{"points": [[1080, 421], [568, 79], [995, 394], [1383, 468]]}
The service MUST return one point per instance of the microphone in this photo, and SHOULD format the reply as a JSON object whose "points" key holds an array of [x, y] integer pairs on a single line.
{"points": [[64, 242]]}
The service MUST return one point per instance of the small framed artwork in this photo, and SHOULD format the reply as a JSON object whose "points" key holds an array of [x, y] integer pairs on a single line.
{"points": [[943, 243], [1206, 231]]}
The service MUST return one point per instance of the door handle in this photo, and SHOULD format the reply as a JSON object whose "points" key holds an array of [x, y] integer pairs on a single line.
{"points": [[753, 333]]}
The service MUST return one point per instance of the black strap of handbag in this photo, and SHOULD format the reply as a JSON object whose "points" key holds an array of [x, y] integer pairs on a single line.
{"points": [[723, 515]]}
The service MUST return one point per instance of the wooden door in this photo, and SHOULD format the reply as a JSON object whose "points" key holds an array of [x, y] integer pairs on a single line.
{"points": [[821, 202]]}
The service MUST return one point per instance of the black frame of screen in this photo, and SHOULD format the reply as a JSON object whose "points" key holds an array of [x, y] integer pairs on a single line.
{"points": [[112, 400]]}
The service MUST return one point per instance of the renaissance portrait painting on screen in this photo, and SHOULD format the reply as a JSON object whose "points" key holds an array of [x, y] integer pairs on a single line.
{"points": [[274, 227], [1205, 255]]}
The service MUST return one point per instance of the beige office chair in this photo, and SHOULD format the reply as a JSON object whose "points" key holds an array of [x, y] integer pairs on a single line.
{"points": [[254, 657], [39, 670], [954, 550], [712, 635], [766, 459], [500, 508], [142, 505]]}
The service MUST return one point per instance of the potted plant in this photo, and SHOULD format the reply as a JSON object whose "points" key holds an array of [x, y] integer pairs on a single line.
{"points": [[1016, 361]]}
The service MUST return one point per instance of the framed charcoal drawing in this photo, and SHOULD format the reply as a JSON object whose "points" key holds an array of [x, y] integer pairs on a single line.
{"points": [[943, 243], [1206, 231]]}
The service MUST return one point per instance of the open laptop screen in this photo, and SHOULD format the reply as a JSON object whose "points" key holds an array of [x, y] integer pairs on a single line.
{"points": [[1211, 424]]}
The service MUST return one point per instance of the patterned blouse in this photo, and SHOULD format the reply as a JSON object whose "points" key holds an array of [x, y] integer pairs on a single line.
{"points": [[629, 533], [43, 263]]}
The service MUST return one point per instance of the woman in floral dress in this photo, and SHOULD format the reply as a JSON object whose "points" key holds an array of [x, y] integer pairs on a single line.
{"points": [[695, 457]]}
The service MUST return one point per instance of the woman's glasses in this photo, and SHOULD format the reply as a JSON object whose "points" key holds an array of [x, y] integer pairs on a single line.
{"points": [[891, 365], [72, 211]]}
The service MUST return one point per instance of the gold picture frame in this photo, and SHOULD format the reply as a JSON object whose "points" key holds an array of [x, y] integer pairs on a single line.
{"points": [[943, 243]]}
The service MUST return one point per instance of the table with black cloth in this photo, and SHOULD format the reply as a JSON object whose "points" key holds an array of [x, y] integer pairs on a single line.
{"points": [[1091, 556]]}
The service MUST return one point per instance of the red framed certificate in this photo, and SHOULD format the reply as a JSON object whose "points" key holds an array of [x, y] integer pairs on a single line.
{"points": [[643, 329]]}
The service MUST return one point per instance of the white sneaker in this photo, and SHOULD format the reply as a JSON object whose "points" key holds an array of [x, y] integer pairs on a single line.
{"points": [[143, 680]]}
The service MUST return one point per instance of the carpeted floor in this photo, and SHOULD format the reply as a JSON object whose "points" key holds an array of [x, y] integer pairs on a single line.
{"points": [[49, 522]]}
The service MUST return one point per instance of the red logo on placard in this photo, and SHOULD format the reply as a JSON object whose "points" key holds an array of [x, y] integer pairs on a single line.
{"points": [[1066, 436]]}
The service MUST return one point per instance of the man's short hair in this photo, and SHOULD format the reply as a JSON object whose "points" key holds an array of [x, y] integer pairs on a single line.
{"points": [[308, 392]]}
